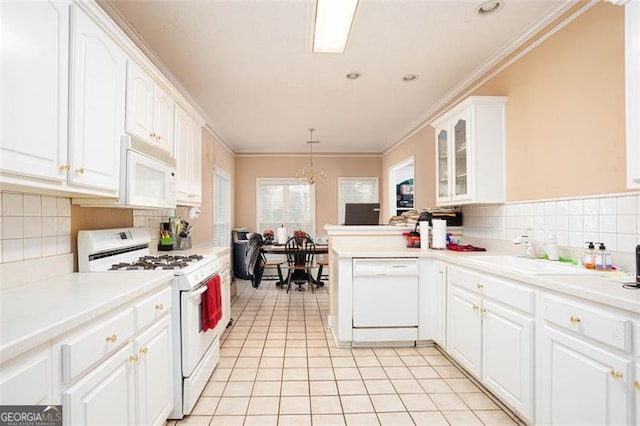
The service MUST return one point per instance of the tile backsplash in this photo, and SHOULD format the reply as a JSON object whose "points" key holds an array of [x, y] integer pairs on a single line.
{"points": [[152, 220], [613, 220], [33, 226]]}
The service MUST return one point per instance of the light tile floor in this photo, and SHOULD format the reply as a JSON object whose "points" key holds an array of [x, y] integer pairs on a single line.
{"points": [[279, 366]]}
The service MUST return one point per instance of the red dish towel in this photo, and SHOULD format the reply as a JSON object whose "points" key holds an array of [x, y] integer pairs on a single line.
{"points": [[211, 305]]}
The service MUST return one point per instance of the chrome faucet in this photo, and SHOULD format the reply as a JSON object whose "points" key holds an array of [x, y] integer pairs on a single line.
{"points": [[529, 244]]}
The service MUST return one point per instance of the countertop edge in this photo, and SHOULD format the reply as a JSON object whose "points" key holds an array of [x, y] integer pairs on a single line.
{"points": [[553, 283], [77, 319]]}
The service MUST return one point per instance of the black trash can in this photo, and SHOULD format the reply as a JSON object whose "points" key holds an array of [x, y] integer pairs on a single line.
{"points": [[239, 238]]}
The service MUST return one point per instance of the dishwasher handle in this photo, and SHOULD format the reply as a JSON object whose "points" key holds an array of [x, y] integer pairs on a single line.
{"points": [[385, 267]]}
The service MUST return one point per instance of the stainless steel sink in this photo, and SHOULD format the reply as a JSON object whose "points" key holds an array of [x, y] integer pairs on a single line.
{"points": [[530, 266]]}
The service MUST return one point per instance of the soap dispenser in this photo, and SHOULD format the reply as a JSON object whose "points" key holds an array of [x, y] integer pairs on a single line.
{"points": [[602, 258], [551, 248], [588, 259]]}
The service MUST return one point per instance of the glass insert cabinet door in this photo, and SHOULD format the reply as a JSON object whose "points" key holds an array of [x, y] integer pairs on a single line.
{"points": [[460, 157], [443, 162]]}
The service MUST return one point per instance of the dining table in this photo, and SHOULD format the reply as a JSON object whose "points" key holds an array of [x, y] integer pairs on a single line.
{"points": [[298, 275]]}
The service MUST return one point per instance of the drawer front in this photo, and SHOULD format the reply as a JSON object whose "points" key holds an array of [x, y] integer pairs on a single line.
{"points": [[511, 294], [151, 308], [84, 349], [27, 379], [597, 324], [225, 264]]}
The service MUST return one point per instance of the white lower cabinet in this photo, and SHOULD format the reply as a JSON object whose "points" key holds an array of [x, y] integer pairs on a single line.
{"points": [[584, 365], [154, 387], [491, 336], [120, 370], [131, 387], [636, 392], [439, 280], [105, 396], [32, 367]]}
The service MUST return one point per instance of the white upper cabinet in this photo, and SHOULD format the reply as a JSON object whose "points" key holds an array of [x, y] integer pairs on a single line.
{"points": [[188, 137], [97, 105], [34, 97], [470, 152], [62, 119], [150, 109]]}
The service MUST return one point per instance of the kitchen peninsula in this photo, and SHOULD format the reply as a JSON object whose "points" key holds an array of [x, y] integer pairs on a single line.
{"points": [[497, 323]]}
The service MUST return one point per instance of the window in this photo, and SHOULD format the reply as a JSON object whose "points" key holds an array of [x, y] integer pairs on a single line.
{"points": [[356, 190], [285, 202], [221, 209]]}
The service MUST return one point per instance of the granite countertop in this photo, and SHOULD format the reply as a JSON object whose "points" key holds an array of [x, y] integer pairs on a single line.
{"points": [[595, 286], [31, 314]]}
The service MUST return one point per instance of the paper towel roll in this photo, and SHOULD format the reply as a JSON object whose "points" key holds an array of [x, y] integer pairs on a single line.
{"points": [[424, 235], [439, 236], [281, 235]]}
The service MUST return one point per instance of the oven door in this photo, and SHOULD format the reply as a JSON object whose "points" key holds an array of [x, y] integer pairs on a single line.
{"points": [[194, 342]]}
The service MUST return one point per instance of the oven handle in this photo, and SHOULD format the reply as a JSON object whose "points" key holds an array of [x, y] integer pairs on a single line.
{"points": [[193, 295]]}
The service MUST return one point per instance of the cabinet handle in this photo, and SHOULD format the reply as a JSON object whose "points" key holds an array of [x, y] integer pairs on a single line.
{"points": [[480, 286], [616, 374], [133, 358], [159, 307], [80, 171], [143, 350], [476, 307], [112, 338], [65, 167], [441, 272], [636, 384], [575, 320]]}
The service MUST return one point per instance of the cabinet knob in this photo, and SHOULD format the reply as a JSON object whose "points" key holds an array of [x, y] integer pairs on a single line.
{"points": [[158, 137], [133, 358], [143, 350], [636, 384], [484, 311], [65, 167], [152, 135], [441, 272], [616, 374], [159, 307], [575, 320], [480, 286], [80, 171], [112, 338], [476, 307]]}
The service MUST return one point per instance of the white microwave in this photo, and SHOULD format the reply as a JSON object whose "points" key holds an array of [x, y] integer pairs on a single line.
{"points": [[147, 178]]}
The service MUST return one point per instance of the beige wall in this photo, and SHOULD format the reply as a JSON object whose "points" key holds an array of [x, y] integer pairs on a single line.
{"points": [[420, 145], [248, 169], [565, 113], [215, 155]]}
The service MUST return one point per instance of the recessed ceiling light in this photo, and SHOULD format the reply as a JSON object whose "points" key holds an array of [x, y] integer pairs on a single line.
{"points": [[489, 7], [410, 77], [353, 75]]}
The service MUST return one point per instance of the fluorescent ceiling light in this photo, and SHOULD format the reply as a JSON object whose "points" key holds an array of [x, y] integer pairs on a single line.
{"points": [[333, 23]]}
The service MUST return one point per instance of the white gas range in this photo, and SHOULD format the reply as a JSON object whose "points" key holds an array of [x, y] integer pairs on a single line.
{"points": [[195, 352]]}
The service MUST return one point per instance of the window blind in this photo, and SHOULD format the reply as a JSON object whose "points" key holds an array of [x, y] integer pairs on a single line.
{"points": [[221, 209], [356, 190], [285, 202]]}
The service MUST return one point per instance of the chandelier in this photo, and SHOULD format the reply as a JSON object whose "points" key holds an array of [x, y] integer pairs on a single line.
{"points": [[309, 175]]}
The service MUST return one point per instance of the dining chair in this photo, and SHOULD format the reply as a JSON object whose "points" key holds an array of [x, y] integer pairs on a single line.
{"points": [[270, 265], [300, 252]]}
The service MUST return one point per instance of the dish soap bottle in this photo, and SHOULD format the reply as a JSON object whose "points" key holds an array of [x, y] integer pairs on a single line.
{"points": [[588, 259], [551, 248], [602, 257]]}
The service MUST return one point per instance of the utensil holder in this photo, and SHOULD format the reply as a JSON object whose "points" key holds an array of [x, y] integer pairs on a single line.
{"points": [[182, 243]]}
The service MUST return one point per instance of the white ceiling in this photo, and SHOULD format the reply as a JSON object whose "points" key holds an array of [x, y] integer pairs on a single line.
{"points": [[249, 66]]}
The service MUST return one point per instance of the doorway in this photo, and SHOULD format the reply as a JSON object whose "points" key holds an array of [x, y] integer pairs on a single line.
{"points": [[401, 187]]}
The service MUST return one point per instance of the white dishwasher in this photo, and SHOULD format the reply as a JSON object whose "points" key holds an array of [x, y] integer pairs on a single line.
{"points": [[385, 299]]}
